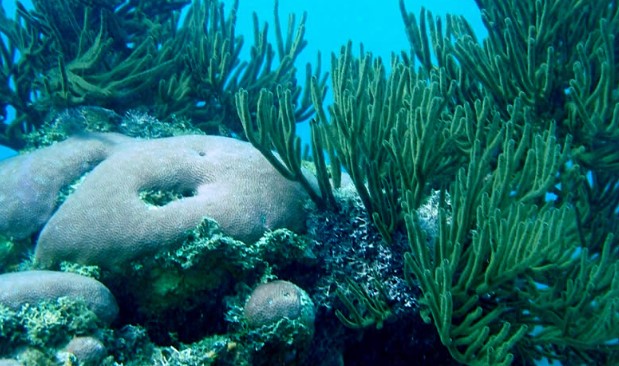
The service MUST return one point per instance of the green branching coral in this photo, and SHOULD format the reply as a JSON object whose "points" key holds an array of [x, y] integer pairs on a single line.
{"points": [[364, 111], [365, 308], [518, 135], [560, 62], [371, 113], [212, 55], [141, 55], [274, 135], [517, 241], [494, 250]]}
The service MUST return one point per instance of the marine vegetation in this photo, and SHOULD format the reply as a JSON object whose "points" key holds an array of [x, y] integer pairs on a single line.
{"points": [[464, 193], [128, 55], [518, 133]]}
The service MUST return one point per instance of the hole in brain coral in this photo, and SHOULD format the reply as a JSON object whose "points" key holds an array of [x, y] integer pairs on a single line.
{"points": [[159, 197]]}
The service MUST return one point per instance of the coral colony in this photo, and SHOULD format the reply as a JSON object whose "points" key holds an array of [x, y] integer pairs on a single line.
{"points": [[457, 204]]}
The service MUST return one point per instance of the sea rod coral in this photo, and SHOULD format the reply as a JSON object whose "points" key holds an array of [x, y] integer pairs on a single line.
{"points": [[518, 134]]}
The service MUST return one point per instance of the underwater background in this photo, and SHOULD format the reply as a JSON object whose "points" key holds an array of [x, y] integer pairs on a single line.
{"points": [[309, 183], [331, 24]]}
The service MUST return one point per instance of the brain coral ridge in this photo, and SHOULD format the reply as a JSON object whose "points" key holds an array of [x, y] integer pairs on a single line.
{"points": [[31, 182], [106, 221]]}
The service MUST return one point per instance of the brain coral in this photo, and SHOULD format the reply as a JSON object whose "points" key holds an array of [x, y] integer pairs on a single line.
{"points": [[31, 287], [272, 301], [281, 316], [88, 350], [31, 182], [108, 221]]}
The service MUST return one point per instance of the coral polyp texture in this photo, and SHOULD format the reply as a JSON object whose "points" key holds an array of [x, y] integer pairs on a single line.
{"points": [[270, 302], [281, 317], [31, 183], [29, 288], [87, 350], [143, 195]]}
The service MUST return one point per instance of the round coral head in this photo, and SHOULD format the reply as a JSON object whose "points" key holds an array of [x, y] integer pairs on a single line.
{"points": [[273, 301]]}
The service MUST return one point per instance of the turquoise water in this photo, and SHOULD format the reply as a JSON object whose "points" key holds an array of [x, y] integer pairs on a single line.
{"points": [[331, 24]]}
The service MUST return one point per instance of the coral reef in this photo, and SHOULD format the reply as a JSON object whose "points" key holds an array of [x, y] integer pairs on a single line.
{"points": [[190, 272], [463, 197]]}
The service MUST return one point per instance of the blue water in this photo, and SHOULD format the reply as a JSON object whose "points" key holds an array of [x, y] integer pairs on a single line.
{"points": [[331, 24]]}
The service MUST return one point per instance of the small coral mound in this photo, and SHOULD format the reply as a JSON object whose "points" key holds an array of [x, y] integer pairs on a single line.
{"points": [[280, 316], [273, 301], [29, 288], [87, 350]]}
